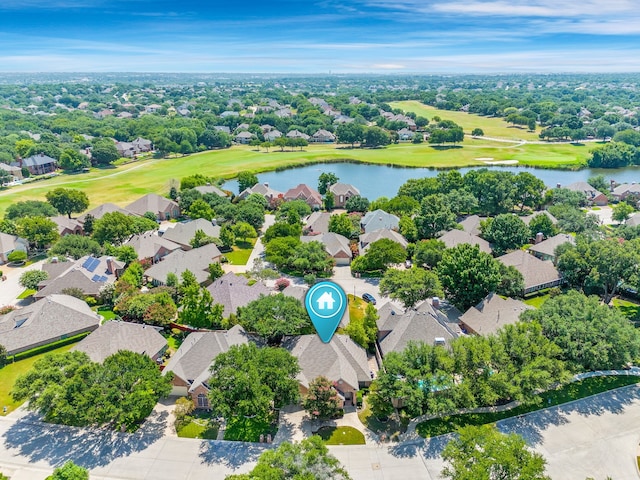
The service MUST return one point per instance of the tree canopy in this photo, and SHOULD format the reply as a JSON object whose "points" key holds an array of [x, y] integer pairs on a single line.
{"points": [[68, 200], [410, 286], [274, 316]]}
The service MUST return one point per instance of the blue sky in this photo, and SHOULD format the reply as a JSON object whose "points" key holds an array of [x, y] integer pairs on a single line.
{"points": [[307, 36]]}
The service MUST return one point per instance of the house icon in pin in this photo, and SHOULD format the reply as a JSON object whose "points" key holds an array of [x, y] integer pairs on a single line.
{"points": [[326, 301]]}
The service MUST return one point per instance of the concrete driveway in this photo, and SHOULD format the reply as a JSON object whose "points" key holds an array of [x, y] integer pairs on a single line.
{"points": [[10, 288]]}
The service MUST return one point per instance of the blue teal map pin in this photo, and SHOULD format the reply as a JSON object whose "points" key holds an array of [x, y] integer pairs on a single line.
{"points": [[325, 303]]}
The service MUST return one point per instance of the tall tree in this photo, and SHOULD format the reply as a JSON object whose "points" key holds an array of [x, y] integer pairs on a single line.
{"points": [[410, 286], [40, 231], [246, 180], [113, 227], [68, 200], [435, 216], [483, 453], [467, 275], [505, 232], [75, 246], [30, 208], [198, 309], [325, 180], [274, 316], [322, 400]]}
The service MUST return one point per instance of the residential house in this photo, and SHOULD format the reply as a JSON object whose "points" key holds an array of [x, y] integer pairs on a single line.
{"points": [[37, 164], [15, 172], [137, 146], [115, 335], [197, 261], [272, 196], [244, 138], [183, 232], [233, 291], [492, 314], [89, 274], [296, 292], [192, 362], [453, 238], [153, 108], [633, 220], [537, 274], [229, 113], [298, 134], [46, 321], [379, 219], [152, 247], [271, 135], [208, 188], [323, 136], [342, 192], [304, 192], [11, 243], [68, 226], [621, 192], [335, 245], [99, 212], [593, 196], [471, 224], [546, 249], [405, 135], [223, 129], [527, 219], [317, 222], [367, 239], [163, 208], [422, 324], [341, 360]]}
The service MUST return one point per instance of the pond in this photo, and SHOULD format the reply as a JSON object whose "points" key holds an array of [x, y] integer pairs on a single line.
{"points": [[375, 181]]}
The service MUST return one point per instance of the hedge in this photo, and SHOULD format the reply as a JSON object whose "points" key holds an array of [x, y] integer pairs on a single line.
{"points": [[47, 348]]}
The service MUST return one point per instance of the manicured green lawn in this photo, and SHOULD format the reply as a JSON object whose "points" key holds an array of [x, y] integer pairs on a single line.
{"points": [[341, 436], [568, 393], [537, 300], [357, 307], [122, 184], [107, 313], [390, 428], [9, 374], [27, 293], [241, 252], [628, 309], [243, 429], [204, 428]]}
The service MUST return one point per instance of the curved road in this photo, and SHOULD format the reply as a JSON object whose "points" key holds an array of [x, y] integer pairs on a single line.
{"points": [[594, 437]]}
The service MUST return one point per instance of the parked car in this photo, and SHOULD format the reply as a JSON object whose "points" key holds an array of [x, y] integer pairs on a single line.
{"points": [[367, 297]]}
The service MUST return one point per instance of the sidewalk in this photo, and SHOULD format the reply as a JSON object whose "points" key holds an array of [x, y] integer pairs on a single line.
{"points": [[10, 288]]}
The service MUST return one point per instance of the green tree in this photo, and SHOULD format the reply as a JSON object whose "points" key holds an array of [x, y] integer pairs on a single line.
{"points": [[299, 207], [3, 361], [282, 229], [104, 152], [200, 239], [200, 209], [291, 255], [75, 246], [621, 212], [428, 253], [325, 180], [364, 330], [612, 155], [350, 133], [477, 132], [590, 335], [40, 231], [31, 278], [528, 190], [68, 200], [599, 182], [250, 381], [322, 400], [356, 204], [274, 316], [69, 389], [341, 224], [246, 180], [113, 227], [30, 208], [505, 232], [329, 201], [410, 286], [23, 147], [376, 137], [408, 228], [468, 275], [198, 309], [17, 256], [215, 271], [511, 281], [243, 231], [72, 160], [542, 224], [435, 216], [379, 255], [483, 453], [69, 471], [309, 459], [227, 237]]}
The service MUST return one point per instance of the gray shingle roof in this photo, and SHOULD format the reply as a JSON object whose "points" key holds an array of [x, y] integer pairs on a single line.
{"points": [[633, 220], [183, 233], [233, 291], [100, 211], [457, 237], [149, 244], [114, 336], [368, 238], [196, 260], [379, 219], [534, 271], [9, 243], [67, 224], [153, 203], [471, 224], [527, 219], [318, 222], [493, 313], [548, 246], [343, 189], [194, 358], [335, 245], [204, 189], [340, 359], [45, 321]]}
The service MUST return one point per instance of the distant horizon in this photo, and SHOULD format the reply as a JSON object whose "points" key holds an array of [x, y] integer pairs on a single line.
{"points": [[415, 37]]}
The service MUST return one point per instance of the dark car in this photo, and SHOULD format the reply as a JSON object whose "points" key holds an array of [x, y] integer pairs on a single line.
{"points": [[367, 297]]}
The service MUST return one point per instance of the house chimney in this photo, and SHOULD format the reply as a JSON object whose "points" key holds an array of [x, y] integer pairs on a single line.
{"points": [[435, 302], [266, 184], [558, 185], [110, 267], [612, 184], [539, 238]]}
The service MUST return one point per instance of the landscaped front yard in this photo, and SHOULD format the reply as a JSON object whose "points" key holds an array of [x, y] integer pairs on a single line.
{"points": [[9, 374], [628, 309], [244, 429], [200, 426], [341, 436], [241, 252]]}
